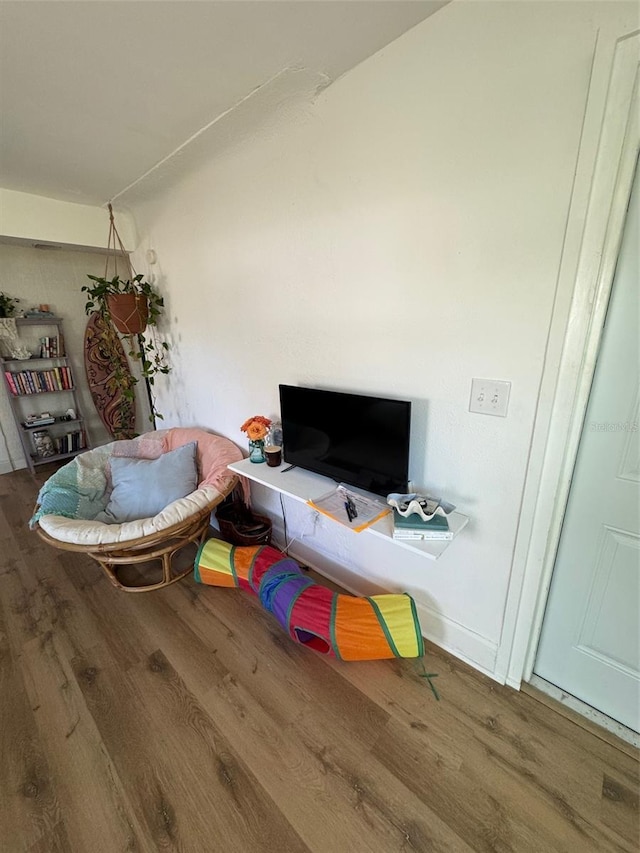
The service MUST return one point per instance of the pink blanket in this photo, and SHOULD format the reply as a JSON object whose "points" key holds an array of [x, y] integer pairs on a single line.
{"points": [[214, 454]]}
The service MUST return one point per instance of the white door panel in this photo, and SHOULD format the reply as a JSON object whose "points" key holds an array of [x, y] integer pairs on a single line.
{"points": [[590, 641]]}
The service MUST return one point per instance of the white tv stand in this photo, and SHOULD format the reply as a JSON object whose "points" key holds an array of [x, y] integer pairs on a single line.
{"points": [[304, 486]]}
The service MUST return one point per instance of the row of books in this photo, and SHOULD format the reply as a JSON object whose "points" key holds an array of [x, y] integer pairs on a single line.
{"points": [[39, 381], [70, 442], [51, 347], [413, 527]]}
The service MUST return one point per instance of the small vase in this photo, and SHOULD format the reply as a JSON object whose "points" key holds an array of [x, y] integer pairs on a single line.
{"points": [[256, 451]]}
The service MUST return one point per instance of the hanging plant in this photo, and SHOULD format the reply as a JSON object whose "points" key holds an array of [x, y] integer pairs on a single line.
{"points": [[7, 305], [132, 307], [132, 304], [144, 349]]}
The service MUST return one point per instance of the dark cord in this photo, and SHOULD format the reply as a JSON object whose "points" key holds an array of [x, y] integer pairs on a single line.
{"points": [[284, 520]]}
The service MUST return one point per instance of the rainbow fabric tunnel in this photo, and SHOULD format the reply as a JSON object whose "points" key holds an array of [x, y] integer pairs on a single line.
{"points": [[335, 624]]}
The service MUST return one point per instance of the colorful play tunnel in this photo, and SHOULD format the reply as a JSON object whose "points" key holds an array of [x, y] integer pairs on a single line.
{"points": [[335, 624]]}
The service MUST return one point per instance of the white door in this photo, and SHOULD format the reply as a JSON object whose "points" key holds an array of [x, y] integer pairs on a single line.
{"points": [[590, 641]]}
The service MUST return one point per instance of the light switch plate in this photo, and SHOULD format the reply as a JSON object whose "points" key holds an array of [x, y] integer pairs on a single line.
{"points": [[490, 397]]}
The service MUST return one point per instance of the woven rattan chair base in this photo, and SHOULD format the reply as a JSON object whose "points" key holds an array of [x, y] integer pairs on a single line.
{"points": [[162, 546]]}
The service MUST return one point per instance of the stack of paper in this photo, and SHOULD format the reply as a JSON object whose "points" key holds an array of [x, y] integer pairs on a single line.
{"points": [[353, 509], [39, 420]]}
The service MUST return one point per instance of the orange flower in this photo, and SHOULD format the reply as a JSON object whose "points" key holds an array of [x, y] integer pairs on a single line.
{"points": [[256, 427]]}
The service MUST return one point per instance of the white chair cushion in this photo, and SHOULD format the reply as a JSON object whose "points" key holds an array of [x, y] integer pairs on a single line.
{"points": [[92, 533]]}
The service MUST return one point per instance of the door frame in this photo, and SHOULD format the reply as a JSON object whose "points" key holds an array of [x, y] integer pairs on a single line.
{"points": [[607, 157]]}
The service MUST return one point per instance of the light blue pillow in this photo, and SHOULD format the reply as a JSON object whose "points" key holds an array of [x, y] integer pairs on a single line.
{"points": [[144, 487]]}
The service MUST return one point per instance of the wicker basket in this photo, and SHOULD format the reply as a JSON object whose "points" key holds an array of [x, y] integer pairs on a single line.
{"points": [[241, 526]]}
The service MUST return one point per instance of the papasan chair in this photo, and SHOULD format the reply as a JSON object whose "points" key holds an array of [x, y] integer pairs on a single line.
{"points": [[138, 500]]}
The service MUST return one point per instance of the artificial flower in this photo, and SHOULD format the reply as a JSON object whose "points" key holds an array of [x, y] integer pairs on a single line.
{"points": [[256, 427]]}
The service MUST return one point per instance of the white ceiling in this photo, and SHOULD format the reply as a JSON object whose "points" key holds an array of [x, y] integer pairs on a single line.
{"points": [[94, 94]]}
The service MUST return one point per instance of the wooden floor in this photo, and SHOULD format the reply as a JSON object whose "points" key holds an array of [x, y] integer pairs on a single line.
{"points": [[186, 720]]}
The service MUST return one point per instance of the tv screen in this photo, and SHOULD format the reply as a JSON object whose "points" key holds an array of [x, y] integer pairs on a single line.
{"points": [[352, 438]]}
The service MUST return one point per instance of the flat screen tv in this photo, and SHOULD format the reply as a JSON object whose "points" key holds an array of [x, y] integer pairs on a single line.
{"points": [[355, 439]]}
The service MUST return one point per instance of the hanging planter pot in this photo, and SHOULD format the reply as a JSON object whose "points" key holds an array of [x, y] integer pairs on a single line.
{"points": [[128, 305], [129, 312]]}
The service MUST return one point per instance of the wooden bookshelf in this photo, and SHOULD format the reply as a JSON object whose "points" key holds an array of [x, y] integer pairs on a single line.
{"points": [[44, 382]]}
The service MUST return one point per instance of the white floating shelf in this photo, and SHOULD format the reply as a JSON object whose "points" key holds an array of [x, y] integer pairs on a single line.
{"points": [[304, 486]]}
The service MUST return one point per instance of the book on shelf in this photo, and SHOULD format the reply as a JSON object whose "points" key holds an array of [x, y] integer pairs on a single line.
{"points": [[49, 347], [413, 527], [52, 346], [70, 442], [11, 383], [35, 422]]}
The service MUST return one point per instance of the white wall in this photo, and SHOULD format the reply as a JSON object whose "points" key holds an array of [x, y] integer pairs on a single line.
{"points": [[45, 220], [399, 236]]}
